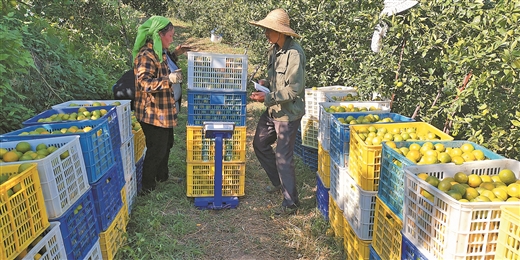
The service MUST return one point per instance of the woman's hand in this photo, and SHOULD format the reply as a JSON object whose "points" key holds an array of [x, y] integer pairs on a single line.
{"points": [[181, 48]]}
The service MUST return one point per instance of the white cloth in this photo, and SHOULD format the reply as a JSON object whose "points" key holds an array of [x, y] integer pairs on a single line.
{"points": [[392, 7]]}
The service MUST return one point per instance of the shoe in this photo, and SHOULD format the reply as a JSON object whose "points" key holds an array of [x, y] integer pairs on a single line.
{"points": [[273, 189], [286, 210]]}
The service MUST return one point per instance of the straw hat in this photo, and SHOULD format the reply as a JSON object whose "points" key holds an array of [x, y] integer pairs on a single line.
{"points": [[277, 20]]}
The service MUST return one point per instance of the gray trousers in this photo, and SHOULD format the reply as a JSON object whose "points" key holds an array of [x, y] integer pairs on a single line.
{"points": [[269, 131]]}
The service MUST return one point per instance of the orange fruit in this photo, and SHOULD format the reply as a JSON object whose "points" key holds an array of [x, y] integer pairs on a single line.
{"points": [[500, 194], [474, 180], [482, 198], [444, 186], [479, 155], [439, 147], [489, 194], [427, 195], [515, 199], [457, 160], [444, 157], [430, 159], [391, 144], [471, 194], [467, 148], [432, 180], [513, 190], [460, 177], [495, 178], [456, 152], [507, 176], [414, 146], [11, 156], [468, 157], [454, 194], [460, 188], [413, 155], [422, 176], [487, 185]]}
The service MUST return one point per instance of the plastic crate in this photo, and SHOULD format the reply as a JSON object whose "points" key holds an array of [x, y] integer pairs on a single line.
{"points": [[123, 113], [387, 237], [324, 116], [200, 149], [63, 181], [125, 209], [96, 144], [50, 246], [131, 191], [324, 166], [201, 179], [139, 173], [434, 225], [107, 197], [374, 256], [139, 145], [127, 157], [309, 131], [315, 96], [22, 214], [336, 217], [298, 143], [365, 160], [79, 227], [359, 208], [94, 253], [340, 133], [409, 251], [114, 237], [205, 106], [338, 183], [355, 247], [322, 198], [309, 157], [391, 181], [508, 245], [217, 72]]}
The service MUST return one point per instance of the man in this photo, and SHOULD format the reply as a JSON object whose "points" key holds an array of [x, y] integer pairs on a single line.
{"points": [[285, 107]]}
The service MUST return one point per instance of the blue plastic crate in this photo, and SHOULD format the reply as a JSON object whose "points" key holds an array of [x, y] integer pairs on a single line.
{"points": [[340, 133], [373, 254], [96, 144], [409, 250], [205, 106], [310, 157], [107, 197], [391, 180], [322, 198], [139, 173], [79, 228], [298, 144]]}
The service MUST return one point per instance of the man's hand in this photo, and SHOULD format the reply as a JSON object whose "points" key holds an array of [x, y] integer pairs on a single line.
{"points": [[258, 96]]}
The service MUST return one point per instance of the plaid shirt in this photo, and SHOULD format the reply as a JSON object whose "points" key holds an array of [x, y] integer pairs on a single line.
{"points": [[154, 101]]}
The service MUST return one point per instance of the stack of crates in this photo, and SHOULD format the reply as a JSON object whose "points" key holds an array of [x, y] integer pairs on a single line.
{"points": [[216, 93], [308, 155], [83, 178]]}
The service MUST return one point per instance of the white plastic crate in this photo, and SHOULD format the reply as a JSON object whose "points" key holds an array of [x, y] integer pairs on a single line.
{"points": [[309, 128], [359, 208], [314, 96], [95, 252], [217, 72], [63, 181], [123, 113], [50, 246], [131, 190], [127, 156], [338, 183], [324, 116], [446, 228]]}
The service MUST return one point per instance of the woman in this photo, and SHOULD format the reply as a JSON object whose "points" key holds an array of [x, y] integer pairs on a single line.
{"points": [[155, 107]]}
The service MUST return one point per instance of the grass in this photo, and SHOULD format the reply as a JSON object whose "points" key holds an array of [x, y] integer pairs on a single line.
{"points": [[166, 225]]}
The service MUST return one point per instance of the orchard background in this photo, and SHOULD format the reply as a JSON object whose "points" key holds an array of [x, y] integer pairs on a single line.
{"points": [[459, 61]]}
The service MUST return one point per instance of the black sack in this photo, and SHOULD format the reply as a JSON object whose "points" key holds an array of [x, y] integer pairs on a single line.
{"points": [[125, 87]]}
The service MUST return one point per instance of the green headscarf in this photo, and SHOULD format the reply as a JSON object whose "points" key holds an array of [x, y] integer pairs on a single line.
{"points": [[150, 28]]}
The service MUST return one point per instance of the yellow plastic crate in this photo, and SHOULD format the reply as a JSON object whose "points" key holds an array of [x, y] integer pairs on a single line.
{"points": [[23, 216], [365, 160], [114, 237], [354, 247], [324, 166], [387, 237], [336, 217], [201, 149], [508, 244], [126, 217], [201, 179], [139, 144], [309, 128]]}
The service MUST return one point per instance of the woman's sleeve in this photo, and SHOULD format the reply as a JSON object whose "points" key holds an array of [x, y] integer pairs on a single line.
{"points": [[148, 71]]}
